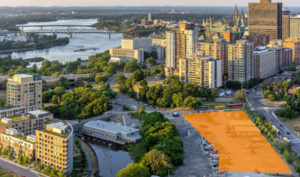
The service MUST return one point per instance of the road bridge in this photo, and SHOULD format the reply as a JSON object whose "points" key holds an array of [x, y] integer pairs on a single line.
{"points": [[63, 29]]}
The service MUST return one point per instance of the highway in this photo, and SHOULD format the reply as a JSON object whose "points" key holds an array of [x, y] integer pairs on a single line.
{"points": [[254, 98]]}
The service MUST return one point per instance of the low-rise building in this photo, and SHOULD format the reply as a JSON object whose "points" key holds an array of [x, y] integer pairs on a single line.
{"points": [[28, 122], [111, 131], [127, 54], [54, 146], [14, 141]]}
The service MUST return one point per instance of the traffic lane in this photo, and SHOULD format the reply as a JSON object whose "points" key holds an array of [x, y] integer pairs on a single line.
{"points": [[8, 166]]}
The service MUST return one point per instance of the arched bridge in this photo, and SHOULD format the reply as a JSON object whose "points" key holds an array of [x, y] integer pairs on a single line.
{"points": [[65, 29]]}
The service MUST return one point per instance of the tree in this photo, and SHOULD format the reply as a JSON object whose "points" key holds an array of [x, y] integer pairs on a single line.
{"points": [[162, 102], [47, 170], [54, 99], [267, 93], [20, 158], [61, 173], [131, 66], [25, 160], [192, 102], [4, 151], [59, 91], [240, 95], [151, 61], [134, 170], [40, 167], [34, 163], [53, 172], [177, 99], [271, 97], [157, 162], [10, 155]]}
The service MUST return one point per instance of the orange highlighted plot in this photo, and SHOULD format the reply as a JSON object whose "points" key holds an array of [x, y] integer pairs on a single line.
{"points": [[241, 146]]}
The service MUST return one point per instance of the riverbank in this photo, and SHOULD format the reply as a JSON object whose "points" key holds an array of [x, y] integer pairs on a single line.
{"points": [[92, 158]]}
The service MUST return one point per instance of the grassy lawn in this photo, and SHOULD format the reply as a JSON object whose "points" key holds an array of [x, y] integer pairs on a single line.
{"points": [[294, 124], [7, 174]]}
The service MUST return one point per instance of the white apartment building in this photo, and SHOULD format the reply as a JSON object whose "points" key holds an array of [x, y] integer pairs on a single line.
{"points": [[266, 62], [204, 71], [241, 64]]}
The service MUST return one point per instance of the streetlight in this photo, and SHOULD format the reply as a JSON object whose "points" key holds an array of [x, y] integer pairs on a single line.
{"points": [[110, 160]]}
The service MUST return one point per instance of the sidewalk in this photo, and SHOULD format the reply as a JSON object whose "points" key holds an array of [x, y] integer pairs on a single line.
{"points": [[18, 169]]}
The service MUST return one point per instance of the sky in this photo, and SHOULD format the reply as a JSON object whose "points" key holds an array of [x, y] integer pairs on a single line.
{"points": [[137, 2]]}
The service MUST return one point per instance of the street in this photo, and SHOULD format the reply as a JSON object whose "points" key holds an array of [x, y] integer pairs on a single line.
{"points": [[15, 168], [255, 101]]}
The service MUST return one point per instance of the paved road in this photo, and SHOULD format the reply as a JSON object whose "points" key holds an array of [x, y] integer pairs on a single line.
{"points": [[22, 171], [254, 99]]}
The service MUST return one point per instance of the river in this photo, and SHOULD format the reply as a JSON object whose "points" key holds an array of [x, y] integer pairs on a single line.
{"points": [[97, 43], [110, 161]]}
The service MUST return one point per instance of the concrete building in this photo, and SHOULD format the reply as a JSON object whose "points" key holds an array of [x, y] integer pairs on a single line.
{"points": [[159, 40], [181, 43], [111, 132], [295, 27], [283, 55], [18, 144], [170, 49], [25, 90], [28, 122], [201, 70], [127, 54], [54, 146], [265, 18], [160, 52], [137, 43], [285, 24], [216, 49], [265, 61], [241, 66], [294, 44], [12, 112]]}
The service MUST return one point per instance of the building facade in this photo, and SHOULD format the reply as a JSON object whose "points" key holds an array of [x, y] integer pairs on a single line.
{"points": [[181, 43], [216, 49], [201, 70], [285, 24], [283, 55], [137, 43], [266, 62], [265, 18], [25, 91], [28, 122], [170, 49], [295, 27], [54, 146], [241, 66], [18, 144], [111, 131], [127, 54]]}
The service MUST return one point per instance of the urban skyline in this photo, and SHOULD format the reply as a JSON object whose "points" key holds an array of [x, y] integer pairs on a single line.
{"points": [[109, 3]]}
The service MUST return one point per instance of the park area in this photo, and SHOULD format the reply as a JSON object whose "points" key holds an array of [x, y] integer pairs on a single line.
{"points": [[240, 144]]}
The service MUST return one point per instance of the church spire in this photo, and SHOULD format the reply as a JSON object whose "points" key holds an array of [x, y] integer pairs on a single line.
{"points": [[242, 18], [236, 16]]}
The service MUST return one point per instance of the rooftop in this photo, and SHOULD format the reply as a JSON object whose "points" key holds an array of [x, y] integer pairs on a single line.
{"points": [[23, 76], [38, 112], [58, 125], [110, 126]]}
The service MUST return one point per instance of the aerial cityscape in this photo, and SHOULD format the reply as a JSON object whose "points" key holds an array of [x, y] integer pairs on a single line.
{"points": [[128, 88]]}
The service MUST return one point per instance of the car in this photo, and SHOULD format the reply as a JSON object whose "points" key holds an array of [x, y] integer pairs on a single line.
{"points": [[288, 133], [175, 114], [280, 125]]}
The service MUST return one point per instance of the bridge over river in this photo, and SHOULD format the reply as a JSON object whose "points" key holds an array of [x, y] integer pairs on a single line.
{"points": [[62, 29]]}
